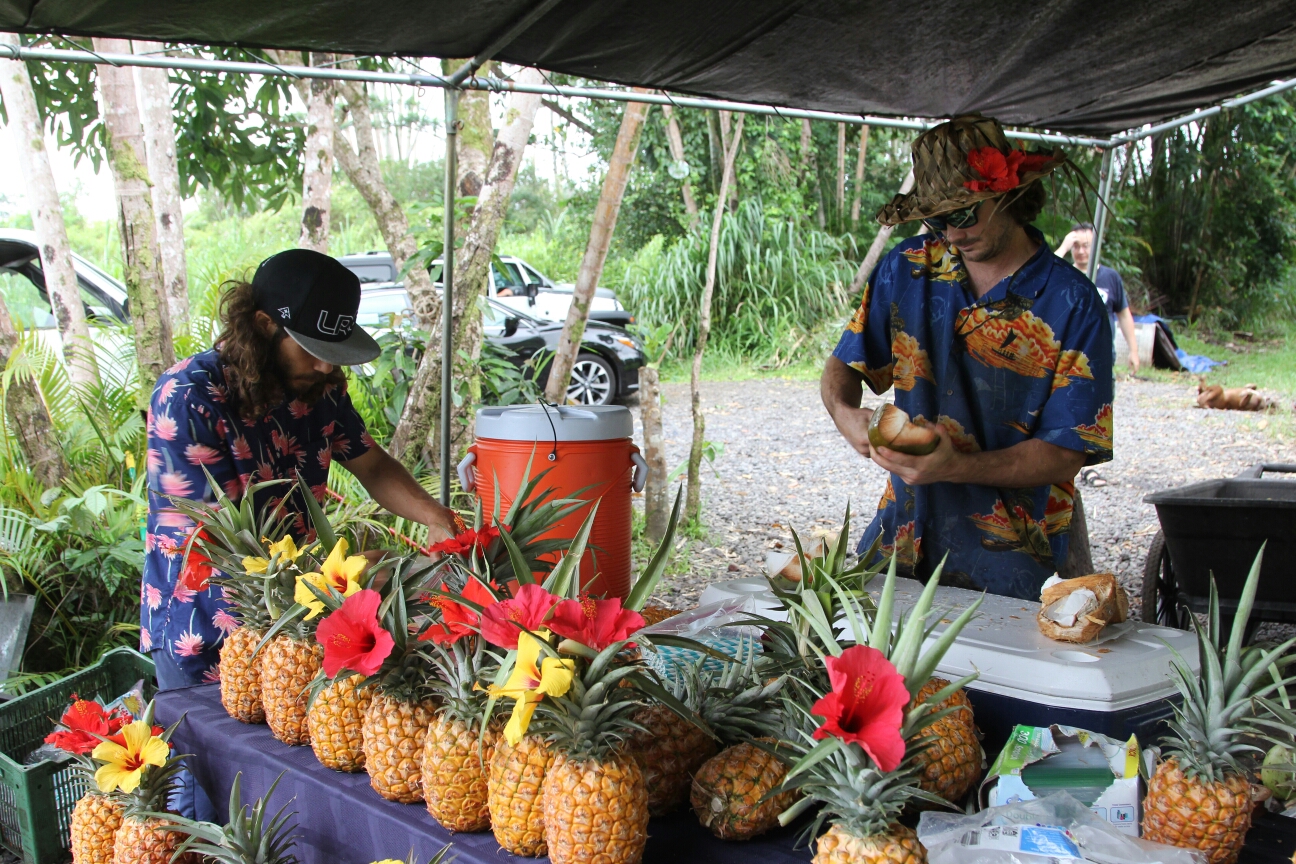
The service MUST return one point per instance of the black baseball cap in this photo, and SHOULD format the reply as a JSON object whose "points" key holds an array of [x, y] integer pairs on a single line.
{"points": [[315, 299]]}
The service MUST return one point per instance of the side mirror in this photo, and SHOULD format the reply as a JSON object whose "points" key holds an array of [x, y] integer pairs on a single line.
{"points": [[532, 289], [511, 325]]}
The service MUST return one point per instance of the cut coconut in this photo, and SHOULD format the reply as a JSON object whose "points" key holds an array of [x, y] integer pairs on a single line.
{"points": [[891, 428]]}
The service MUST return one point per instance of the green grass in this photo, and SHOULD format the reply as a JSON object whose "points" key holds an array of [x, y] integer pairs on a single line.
{"points": [[1269, 364]]}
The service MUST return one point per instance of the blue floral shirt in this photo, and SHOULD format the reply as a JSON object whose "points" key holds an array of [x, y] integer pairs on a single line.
{"points": [[191, 426], [1030, 359]]}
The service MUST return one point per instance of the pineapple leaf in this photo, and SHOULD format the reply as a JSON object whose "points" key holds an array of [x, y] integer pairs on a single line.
{"points": [[521, 570], [647, 581], [881, 636], [825, 748], [1243, 614], [565, 578], [926, 665], [323, 530], [293, 612]]}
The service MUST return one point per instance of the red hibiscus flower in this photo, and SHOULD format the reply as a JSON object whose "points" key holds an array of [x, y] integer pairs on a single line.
{"points": [[866, 704], [526, 609], [87, 724], [353, 638], [999, 170], [196, 572], [594, 623], [458, 620], [463, 544]]}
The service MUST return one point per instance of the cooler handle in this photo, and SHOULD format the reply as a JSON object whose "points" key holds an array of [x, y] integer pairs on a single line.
{"points": [[640, 473], [465, 472], [1256, 471]]}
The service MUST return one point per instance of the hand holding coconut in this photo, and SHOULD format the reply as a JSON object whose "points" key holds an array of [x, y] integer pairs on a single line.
{"points": [[920, 453]]}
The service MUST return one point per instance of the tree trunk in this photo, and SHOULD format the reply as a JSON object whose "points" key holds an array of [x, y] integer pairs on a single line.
{"points": [[29, 421], [676, 142], [317, 176], [694, 503], [47, 218], [476, 138], [726, 121], [160, 143], [656, 500], [879, 243], [715, 144], [154, 348], [805, 147], [471, 271], [605, 217], [859, 177], [841, 174], [364, 169]]}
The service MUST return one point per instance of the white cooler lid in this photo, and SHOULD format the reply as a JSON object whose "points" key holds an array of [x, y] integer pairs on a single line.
{"points": [[555, 423], [1126, 666]]}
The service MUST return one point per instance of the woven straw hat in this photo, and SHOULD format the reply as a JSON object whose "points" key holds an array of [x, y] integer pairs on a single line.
{"points": [[963, 161]]}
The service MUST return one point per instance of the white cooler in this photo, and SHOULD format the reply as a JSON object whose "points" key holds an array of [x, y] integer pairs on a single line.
{"points": [[1117, 685]]}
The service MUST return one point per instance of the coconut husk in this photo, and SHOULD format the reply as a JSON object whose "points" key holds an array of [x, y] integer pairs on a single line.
{"points": [[1076, 610], [785, 563]]}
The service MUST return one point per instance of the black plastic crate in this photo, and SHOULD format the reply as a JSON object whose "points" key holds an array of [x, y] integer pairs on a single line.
{"points": [[1217, 527]]}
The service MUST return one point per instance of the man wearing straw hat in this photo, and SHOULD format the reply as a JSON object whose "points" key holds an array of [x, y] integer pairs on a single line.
{"points": [[1000, 347]]}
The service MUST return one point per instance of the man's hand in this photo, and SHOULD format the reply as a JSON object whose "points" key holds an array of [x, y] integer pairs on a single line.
{"points": [[942, 465], [1067, 242]]}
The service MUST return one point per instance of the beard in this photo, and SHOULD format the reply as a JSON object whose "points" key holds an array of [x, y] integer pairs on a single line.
{"points": [[310, 389]]}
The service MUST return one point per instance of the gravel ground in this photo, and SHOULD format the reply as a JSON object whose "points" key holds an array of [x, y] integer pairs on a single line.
{"points": [[785, 466]]}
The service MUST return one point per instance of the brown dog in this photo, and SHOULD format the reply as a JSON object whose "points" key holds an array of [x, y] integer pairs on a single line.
{"points": [[1233, 399]]}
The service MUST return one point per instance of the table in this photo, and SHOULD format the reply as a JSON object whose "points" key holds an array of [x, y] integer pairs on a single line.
{"points": [[341, 820]]}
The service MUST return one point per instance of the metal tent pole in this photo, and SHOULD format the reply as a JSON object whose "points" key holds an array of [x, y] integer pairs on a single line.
{"points": [[447, 282], [1100, 214]]}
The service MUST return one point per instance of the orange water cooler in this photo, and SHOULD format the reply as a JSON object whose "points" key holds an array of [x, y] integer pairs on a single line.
{"points": [[585, 446]]}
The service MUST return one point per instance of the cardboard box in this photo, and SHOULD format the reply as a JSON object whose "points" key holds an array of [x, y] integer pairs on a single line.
{"points": [[1100, 772]]}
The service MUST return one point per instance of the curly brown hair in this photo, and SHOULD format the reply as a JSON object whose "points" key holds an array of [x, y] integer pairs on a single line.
{"points": [[249, 358]]}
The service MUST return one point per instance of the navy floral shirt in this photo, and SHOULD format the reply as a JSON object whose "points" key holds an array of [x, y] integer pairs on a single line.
{"points": [[1030, 359], [191, 426]]}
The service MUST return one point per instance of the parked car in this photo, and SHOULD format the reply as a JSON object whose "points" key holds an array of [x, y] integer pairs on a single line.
{"points": [[511, 281], [606, 369]]}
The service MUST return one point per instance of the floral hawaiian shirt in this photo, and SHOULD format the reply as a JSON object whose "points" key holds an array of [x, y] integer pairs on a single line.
{"points": [[1030, 359], [191, 426]]}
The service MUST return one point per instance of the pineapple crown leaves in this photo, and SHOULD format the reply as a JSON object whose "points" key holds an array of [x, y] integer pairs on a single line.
{"points": [[1219, 703], [249, 838], [593, 718], [853, 791], [458, 668], [235, 529], [735, 702]]}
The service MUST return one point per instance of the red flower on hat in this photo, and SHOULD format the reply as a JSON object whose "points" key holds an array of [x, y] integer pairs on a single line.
{"points": [[197, 569], [1000, 170], [866, 704]]}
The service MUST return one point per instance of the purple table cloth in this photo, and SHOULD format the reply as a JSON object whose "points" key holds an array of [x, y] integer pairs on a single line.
{"points": [[341, 820]]}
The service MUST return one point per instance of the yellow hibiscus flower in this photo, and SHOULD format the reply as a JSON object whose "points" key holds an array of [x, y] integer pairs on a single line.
{"points": [[286, 549], [532, 679], [124, 766], [338, 572]]}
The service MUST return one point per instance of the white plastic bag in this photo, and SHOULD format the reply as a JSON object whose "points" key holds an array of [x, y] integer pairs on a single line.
{"points": [[1014, 834]]}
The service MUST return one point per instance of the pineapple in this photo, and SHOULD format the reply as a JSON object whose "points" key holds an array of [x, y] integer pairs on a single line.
{"points": [[240, 675], [656, 614], [1200, 796], [334, 720], [517, 774], [731, 793], [460, 743], [863, 791], [668, 748], [251, 837], [95, 820], [289, 663], [951, 763], [594, 800], [144, 836]]}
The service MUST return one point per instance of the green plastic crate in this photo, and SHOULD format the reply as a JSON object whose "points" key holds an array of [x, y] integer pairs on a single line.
{"points": [[36, 800]]}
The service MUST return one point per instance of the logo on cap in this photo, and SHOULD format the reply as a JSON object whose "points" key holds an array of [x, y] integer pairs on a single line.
{"points": [[344, 323], [285, 312]]}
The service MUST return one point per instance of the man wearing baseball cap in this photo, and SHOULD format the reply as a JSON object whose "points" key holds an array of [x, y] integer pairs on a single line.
{"points": [[995, 344], [268, 402]]}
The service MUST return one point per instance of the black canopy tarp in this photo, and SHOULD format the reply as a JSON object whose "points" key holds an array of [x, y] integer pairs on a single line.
{"points": [[1081, 66]]}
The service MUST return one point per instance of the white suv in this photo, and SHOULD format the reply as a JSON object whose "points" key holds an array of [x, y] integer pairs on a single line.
{"points": [[512, 282]]}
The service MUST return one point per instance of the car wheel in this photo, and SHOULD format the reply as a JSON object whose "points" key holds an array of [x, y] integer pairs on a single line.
{"points": [[592, 381]]}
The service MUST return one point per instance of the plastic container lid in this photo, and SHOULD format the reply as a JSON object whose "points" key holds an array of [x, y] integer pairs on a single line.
{"points": [[560, 423], [1126, 666]]}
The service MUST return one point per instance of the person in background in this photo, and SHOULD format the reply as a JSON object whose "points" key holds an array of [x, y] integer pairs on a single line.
{"points": [[1110, 285]]}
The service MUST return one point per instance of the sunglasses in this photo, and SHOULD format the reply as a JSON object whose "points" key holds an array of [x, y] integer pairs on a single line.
{"points": [[965, 218]]}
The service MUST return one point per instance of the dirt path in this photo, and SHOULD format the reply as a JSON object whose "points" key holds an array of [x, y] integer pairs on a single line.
{"points": [[785, 465]]}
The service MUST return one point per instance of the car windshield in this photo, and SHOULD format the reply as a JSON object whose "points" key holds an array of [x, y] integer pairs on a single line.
{"points": [[368, 274], [376, 306]]}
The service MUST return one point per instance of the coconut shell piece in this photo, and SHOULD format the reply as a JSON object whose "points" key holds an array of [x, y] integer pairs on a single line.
{"points": [[1089, 603], [891, 427]]}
